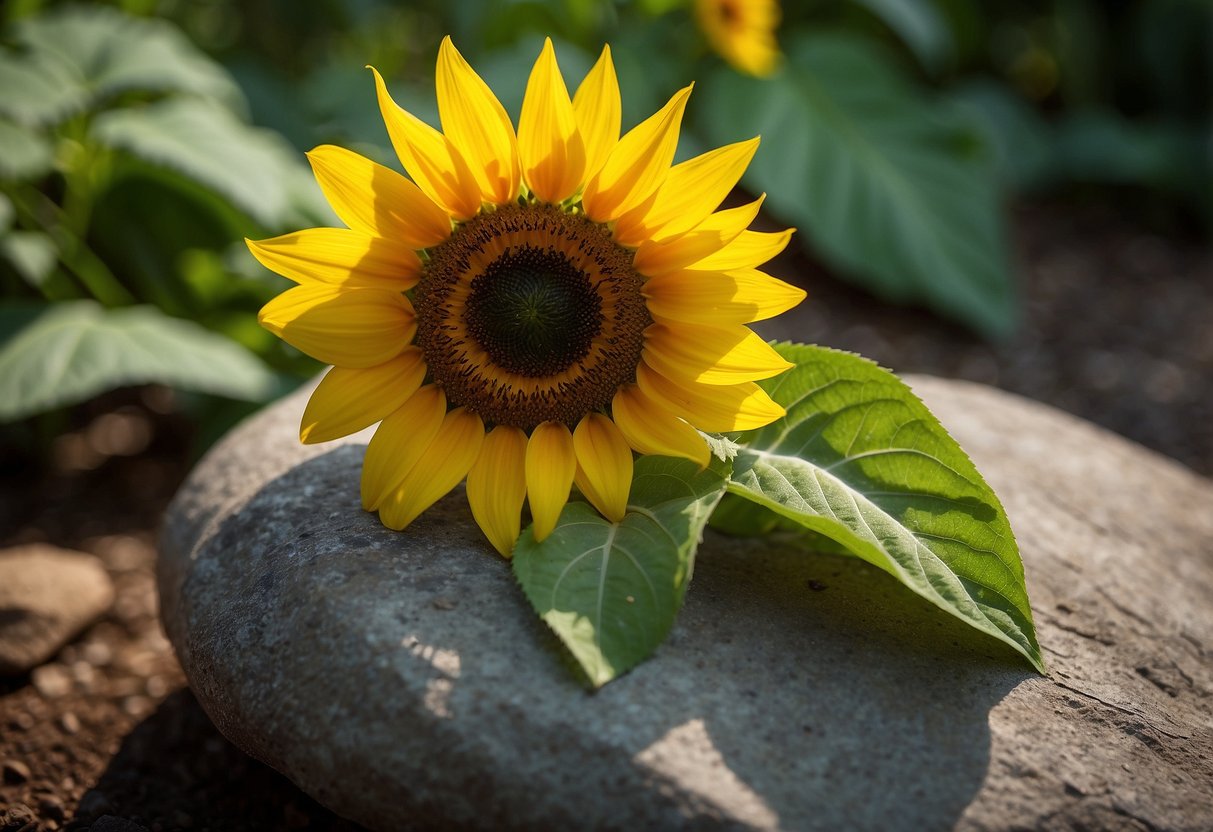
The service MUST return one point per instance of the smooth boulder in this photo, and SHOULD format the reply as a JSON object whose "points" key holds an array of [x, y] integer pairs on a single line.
{"points": [[402, 680]]}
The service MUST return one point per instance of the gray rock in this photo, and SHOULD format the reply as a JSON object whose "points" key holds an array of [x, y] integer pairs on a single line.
{"points": [[402, 680], [47, 596]]}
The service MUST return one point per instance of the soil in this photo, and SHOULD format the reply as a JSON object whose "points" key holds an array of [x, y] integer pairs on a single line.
{"points": [[107, 735]]}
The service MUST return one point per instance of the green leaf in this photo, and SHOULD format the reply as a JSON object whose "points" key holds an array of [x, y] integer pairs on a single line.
{"points": [[32, 254], [24, 154], [254, 168], [860, 460], [1020, 141], [887, 188], [85, 55], [610, 591], [58, 354], [922, 27]]}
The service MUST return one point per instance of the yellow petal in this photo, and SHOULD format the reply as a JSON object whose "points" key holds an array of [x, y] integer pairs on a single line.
{"points": [[339, 257], [599, 112], [651, 429], [399, 442], [479, 126], [692, 190], [497, 487], [550, 466], [604, 465], [375, 200], [347, 327], [710, 354], [430, 158], [444, 462], [736, 297], [748, 250], [346, 400], [714, 408], [637, 165], [661, 256], [549, 143]]}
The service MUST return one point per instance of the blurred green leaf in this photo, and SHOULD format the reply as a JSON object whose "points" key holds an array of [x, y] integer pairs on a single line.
{"points": [[87, 54], [7, 213], [38, 89], [883, 184], [31, 253], [1020, 140], [24, 154], [58, 354], [254, 168], [920, 25]]}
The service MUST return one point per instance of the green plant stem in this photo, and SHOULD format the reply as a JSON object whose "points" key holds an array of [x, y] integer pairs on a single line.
{"points": [[35, 208]]}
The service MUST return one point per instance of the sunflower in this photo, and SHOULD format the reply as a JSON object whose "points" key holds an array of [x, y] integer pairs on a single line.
{"points": [[742, 32], [531, 307]]}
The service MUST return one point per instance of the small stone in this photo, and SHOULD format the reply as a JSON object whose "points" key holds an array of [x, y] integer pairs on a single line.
{"points": [[22, 721], [48, 596], [15, 771], [51, 681], [182, 820], [18, 818], [51, 808], [70, 723]]}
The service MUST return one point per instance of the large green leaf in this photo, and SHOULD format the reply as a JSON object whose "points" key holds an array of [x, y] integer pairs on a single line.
{"points": [[860, 460], [80, 56], [886, 185], [921, 25], [610, 591], [254, 168], [57, 354], [24, 154]]}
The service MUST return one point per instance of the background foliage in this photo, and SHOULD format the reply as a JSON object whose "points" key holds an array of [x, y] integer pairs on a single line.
{"points": [[141, 140]]}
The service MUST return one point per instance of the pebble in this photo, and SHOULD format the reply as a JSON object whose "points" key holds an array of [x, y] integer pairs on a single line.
{"points": [[70, 723], [51, 681], [52, 808], [18, 818], [49, 595], [15, 771]]}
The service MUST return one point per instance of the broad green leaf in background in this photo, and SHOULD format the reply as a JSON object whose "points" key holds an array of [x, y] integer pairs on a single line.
{"points": [[52, 355], [922, 27], [24, 154], [80, 56], [860, 460], [881, 184], [32, 255], [1019, 140], [256, 169], [610, 591]]}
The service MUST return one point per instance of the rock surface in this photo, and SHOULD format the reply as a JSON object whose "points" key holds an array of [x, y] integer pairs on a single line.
{"points": [[47, 596], [402, 680]]}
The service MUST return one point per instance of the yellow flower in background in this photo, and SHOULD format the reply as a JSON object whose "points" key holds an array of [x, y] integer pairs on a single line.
{"points": [[743, 32], [531, 307]]}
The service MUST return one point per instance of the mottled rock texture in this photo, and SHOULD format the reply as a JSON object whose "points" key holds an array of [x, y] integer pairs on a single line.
{"points": [[47, 596], [401, 678]]}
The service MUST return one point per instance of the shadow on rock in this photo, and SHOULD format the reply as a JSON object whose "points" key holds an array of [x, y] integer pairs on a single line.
{"points": [[175, 771]]}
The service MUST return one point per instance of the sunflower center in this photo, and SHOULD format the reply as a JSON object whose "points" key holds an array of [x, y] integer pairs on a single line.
{"points": [[533, 312], [528, 314]]}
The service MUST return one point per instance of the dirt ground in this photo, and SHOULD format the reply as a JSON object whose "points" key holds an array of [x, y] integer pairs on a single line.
{"points": [[107, 737]]}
